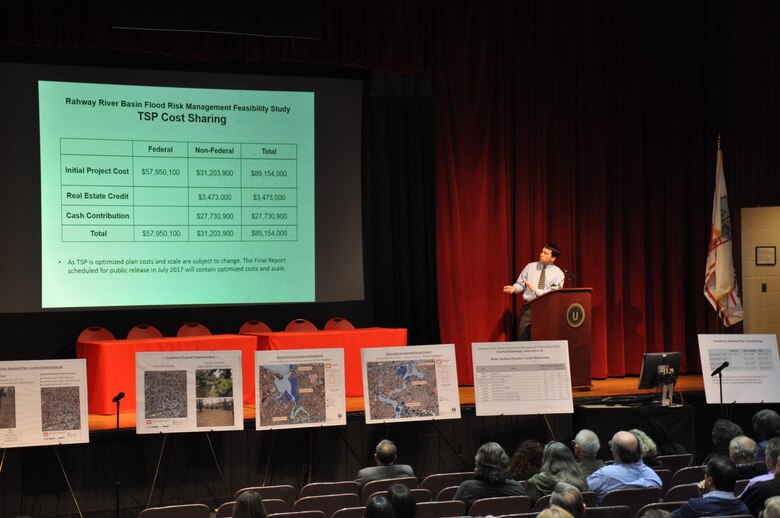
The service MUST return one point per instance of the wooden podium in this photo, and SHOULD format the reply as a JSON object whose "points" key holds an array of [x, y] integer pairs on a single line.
{"points": [[565, 315]]}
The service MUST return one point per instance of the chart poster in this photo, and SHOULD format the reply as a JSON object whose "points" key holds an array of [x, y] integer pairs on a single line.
{"points": [[300, 388], [753, 371], [43, 402], [522, 378], [188, 391], [416, 383]]}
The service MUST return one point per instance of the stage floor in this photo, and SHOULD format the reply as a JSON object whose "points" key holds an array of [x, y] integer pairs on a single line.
{"points": [[600, 388]]}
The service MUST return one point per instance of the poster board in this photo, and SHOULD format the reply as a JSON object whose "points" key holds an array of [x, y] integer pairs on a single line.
{"points": [[522, 378], [416, 383], [188, 391], [43, 402], [299, 388], [753, 373]]}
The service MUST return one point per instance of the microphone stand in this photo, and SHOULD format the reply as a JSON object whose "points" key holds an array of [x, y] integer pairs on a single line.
{"points": [[720, 384], [117, 399]]}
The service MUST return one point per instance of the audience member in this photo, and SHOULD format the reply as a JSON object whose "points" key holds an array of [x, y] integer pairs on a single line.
{"points": [[772, 507], [627, 471], [720, 475], [491, 477], [766, 424], [656, 513], [649, 449], [558, 465], [663, 441], [586, 446], [402, 500], [385, 456], [379, 507], [743, 452], [554, 512], [249, 504], [527, 460], [568, 497], [722, 432], [757, 494], [771, 453]]}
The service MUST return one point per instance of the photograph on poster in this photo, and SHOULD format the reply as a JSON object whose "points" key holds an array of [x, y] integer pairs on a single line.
{"points": [[188, 391], [522, 378], [300, 388], [43, 402], [748, 366], [410, 383]]}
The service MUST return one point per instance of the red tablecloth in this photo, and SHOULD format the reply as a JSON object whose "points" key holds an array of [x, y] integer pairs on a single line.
{"points": [[351, 341], [111, 365]]}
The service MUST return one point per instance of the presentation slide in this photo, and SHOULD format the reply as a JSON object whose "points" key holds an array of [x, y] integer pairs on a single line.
{"points": [[136, 188], [750, 368], [410, 383], [188, 392], [522, 378], [43, 402], [300, 389], [154, 195]]}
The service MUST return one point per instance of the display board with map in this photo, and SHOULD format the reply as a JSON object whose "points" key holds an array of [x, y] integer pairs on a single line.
{"points": [[410, 383], [299, 388], [189, 391], [43, 402]]}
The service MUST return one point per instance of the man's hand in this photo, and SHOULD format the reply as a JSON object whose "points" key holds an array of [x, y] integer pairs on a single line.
{"points": [[509, 290]]}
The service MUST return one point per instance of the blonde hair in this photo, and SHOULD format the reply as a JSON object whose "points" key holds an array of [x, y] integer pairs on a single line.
{"points": [[772, 507], [555, 512], [645, 442]]}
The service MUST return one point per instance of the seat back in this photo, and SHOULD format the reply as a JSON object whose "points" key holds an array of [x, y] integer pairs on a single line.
{"points": [[338, 323], [635, 498], [665, 506], [613, 511], [253, 326], [329, 488], [419, 495], [666, 476], [299, 514], [687, 475], [225, 510], [682, 493], [193, 329], [674, 463], [740, 486], [438, 481], [328, 504], [590, 498], [350, 512], [177, 511], [300, 324], [448, 493], [95, 333], [282, 492], [443, 509], [143, 331], [542, 503], [499, 505], [381, 485]]}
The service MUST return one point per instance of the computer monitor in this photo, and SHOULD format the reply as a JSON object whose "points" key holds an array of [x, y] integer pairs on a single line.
{"points": [[660, 370]]}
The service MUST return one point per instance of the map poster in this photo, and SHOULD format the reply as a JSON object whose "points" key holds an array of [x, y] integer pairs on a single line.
{"points": [[522, 378], [300, 388], [751, 368], [417, 383], [188, 391], [43, 402]]}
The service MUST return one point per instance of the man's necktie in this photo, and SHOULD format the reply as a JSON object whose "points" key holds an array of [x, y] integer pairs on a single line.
{"points": [[541, 279]]}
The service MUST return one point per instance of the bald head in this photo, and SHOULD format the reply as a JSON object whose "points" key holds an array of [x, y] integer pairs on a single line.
{"points": [[743, 450], [625, 448]]}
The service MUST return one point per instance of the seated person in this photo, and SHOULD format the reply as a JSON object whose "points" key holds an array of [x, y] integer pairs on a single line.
{"points": [[527, 459], [586, 447], [743, 452], [649, 449], [720, 475], [491, 477], [568, 497], [771, 458], [722, 432], [766, 424], [385, 456], [628, 470], [756, 495], [558, 465]]}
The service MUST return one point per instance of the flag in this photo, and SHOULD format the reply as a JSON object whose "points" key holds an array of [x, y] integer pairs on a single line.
{"points": [[720, 283]]}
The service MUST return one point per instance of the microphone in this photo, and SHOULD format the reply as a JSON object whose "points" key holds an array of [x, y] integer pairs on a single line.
{"points": [[569, 274], [118, 397], [722, 366]]}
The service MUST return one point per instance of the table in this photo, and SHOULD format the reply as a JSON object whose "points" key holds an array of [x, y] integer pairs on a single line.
{"points": [[111, 364], [351, 340]]}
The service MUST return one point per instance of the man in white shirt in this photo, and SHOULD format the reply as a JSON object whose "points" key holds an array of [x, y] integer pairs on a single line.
{"points": [[536, 279]]}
